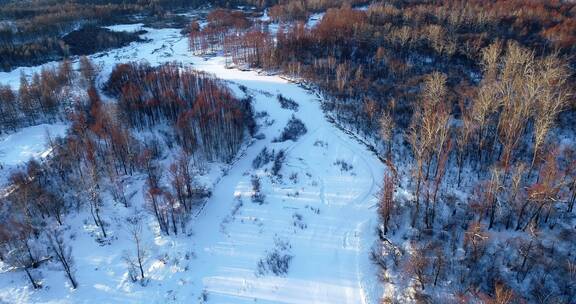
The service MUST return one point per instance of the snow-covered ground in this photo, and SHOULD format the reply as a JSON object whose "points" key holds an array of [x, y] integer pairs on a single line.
{"points": [[27, 143], [322, 213], [125, 27]]}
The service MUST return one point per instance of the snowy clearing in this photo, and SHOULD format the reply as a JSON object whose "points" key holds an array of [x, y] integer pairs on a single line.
{"points": [[31, 142]]}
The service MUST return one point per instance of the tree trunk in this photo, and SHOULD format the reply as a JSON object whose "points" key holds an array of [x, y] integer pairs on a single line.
{"points": [[34, 284], [522, 210]]}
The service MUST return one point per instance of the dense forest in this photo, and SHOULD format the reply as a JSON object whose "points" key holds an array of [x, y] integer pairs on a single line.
{"points": [[205, 114], [466, 102]]}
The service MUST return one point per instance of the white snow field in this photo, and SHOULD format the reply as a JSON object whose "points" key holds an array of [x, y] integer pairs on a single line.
{"points": [[321, 213], [31, 142]]}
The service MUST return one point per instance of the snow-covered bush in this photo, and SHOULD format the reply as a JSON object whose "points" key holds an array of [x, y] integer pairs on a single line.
{"points": [[287, 103], [294, 129], [276, 261], [263, 158], [278, 160], [299, 221], [344, 166], [257, 195], [294, 177]]}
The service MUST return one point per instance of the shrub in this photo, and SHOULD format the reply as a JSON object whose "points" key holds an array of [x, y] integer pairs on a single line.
{"points": [[287, 103], [294, 129], [263, 158], [278, 160], [257, 195], [277, 261]]}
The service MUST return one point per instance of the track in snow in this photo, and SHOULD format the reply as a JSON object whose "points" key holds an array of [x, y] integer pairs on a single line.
{"points": [[329, 255]]}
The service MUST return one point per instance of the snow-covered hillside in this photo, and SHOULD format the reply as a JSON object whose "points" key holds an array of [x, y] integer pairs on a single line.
{"points": [[317, 214]]}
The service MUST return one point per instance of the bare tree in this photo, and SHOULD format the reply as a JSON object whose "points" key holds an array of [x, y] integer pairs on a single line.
{"points": [[135, 232], [525, 248], [546, 191], [387, 131], [440, 263], [492, 192], [417, 266], [486, 102], [516, 99], [475, 240], [441, 166], [553, 97], [514, 191], [342, 76], [66, 73], [387, 201], [463, 135], [428, 132], [18, 250], [63, 255], [419, 146], [182, 180], [95, 201], [87, 71], [502, 295]]}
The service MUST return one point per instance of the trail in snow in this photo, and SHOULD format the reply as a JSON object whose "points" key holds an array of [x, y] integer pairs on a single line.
{"points": [[329, 255], [329, 244]]}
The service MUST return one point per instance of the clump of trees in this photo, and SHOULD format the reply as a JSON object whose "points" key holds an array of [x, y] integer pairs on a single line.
{"points": [[204, 113], [45, 96], [91, 39], [287, 103], [293, 130], [222, 24]]}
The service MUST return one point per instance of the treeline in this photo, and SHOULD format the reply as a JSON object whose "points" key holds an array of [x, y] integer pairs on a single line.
{"points": [[30, 54], [300, 10], [87, 40], [202, 110], [52, 18], [105, 146], [91, 39], [49, 18], [289, 9]]}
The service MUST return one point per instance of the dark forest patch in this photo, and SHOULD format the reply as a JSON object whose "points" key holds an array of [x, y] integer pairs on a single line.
{"points": [[92, 39]]}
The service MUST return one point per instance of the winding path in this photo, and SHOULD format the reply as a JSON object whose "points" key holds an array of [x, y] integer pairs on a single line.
{"points": [[330, 255]]}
